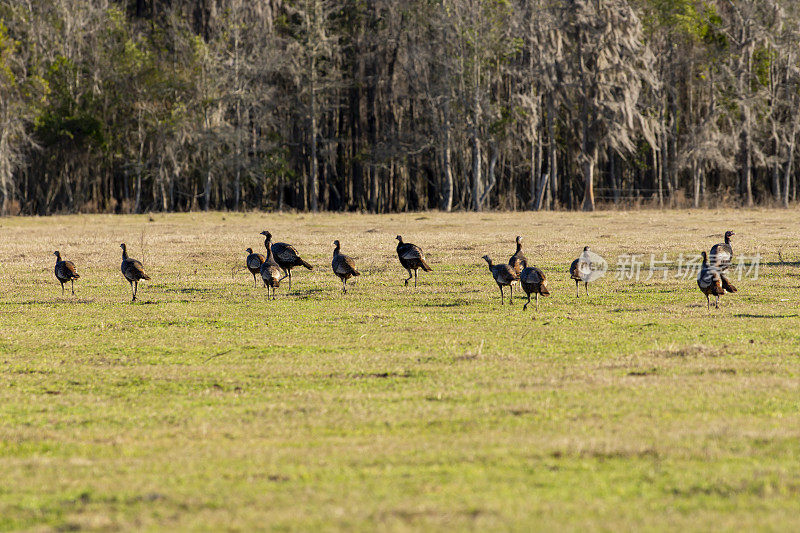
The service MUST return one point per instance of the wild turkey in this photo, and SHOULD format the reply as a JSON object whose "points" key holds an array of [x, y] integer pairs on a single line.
{"points": [[721, 254], [518, 261], [504, 275], [579, 269], [533, 281], [286, 256], [254, 262], [343, 266], [270, 270], [132, 270], [65, 271], [712, 281], [412, 258]]}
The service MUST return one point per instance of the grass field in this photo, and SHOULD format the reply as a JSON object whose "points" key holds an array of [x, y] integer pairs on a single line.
{"points": [[205, 406]]}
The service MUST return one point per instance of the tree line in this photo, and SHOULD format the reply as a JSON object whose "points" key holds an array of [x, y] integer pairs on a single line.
{"points": [[381, 106]]}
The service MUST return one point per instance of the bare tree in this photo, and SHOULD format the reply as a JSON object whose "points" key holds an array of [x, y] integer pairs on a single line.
{"points": [[19, 93], [480, 32], [312, 47], [608, 67]]}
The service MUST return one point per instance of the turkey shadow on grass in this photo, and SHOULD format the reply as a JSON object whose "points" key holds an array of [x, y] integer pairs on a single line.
{"points": [[190, 290], [65, 300], [77, 301], [781, 264], [456, 303], [408, 374], [749, 315], [308, 293]]}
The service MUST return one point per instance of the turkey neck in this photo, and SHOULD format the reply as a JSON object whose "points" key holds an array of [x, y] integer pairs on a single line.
{"points": [[519, 247], [336, 251], [727, 239], [124, 254]]}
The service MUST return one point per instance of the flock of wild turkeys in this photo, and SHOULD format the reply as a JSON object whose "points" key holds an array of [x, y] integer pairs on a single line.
{"points": [[281, 258]]}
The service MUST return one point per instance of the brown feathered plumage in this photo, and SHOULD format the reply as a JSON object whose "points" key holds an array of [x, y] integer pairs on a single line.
{"points": [[287, 257], [533, 281], [504, 276], [254, 262], [65, 271], [270, 271], [577, 269], [518, 261], [710, 282], [411, 258], [343, 266], [727, 285], [132, 270], [721, 254]]}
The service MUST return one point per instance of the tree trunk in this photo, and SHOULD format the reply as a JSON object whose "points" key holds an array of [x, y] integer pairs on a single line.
{"points": [[588, 144], [162, 187], [534, 174], [657, 162], [447, 189], [666, 163], [5, 171], [492, 175], [536, 169], [776, 181], [588, 175], [314, 193], [476, 146], [673, 148], [788, 177], [137, 206], [207, 190], [372, 134], [552, 154], [312, 188], [615, 184], [542, 190], [747, 167], [476, 171], [3, 189], [237, 183]]}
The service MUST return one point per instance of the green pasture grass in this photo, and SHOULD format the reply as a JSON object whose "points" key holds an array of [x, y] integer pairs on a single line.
{"points": [[206, 406]]}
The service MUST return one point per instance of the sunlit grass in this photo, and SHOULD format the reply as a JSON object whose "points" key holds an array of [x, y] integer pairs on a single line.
{"points": [[206, 406]]}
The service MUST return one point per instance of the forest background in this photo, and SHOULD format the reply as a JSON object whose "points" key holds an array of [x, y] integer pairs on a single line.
{"points": [[129, 106]]}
